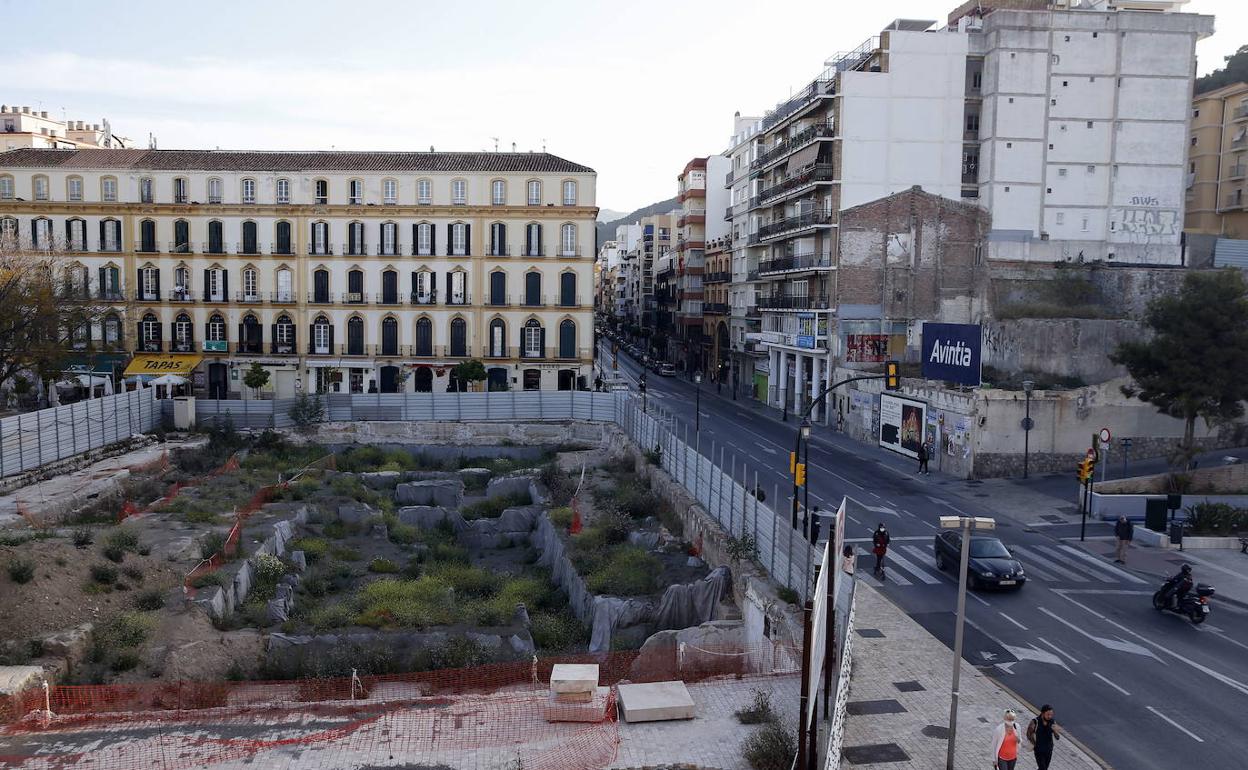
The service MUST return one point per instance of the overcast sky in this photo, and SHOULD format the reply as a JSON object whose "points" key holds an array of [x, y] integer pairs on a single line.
{"points": [[633, 89]]}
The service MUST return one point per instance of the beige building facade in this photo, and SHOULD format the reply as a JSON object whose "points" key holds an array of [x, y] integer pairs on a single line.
{"points": [[337, 271], [1217, 172]]}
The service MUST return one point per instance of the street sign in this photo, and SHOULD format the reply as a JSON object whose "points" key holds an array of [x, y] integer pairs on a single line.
{"points": [[1126, 442], [1105, 435], [1027, 423], [951, 352]]}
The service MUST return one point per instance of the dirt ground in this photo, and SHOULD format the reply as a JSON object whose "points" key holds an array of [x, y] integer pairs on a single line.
{"points": [[188, 648]]}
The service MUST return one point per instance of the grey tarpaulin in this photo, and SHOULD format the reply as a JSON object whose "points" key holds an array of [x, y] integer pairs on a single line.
{"points": [[689, 604]]}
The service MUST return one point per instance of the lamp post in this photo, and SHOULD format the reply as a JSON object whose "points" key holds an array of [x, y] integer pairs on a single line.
{"points": [[1028, 386], [966, 524], [697, 404]]}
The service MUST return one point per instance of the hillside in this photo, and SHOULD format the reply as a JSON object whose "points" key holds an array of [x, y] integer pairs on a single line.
{"points": [[606, 230]]}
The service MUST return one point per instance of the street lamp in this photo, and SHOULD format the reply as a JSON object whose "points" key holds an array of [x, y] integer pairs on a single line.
{"points": [[966, 524], [1028, 386], [697, 404]]}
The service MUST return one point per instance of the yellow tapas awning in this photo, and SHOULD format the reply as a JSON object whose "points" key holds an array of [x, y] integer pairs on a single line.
{"points": [[170, 363]]}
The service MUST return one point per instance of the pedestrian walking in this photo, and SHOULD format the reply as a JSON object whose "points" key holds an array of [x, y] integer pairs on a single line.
{"points": [[1005, 741], [923, 458], [1124, 531], [1042, 732], [848, 560], [879, 542]]}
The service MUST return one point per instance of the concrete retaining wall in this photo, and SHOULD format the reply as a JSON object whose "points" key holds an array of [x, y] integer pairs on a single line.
{"points": [[453, 433]]}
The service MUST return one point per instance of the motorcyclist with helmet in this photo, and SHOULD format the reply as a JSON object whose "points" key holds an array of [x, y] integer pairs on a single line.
{"points": [[1178, 586]]}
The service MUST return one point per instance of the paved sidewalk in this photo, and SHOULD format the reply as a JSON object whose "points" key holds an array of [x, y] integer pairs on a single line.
{"points": [[899, 700], [1224, 568]]}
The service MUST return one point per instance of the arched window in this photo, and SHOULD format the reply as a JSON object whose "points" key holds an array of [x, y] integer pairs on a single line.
{"points": [[498, 288], [215, 332], [108, 189], [282, 237], [498, 192], [76, 234], [181, 237], [533, 288], [355, 192], [532, 339], [567, 339], [216, 237], [149, 333], [216, 284], [250, 335], [147, 190], [216, 190], [251, 243], [389, 287], [424, 337], [567, 240], [459, 239], [147, 235], [355, 238], [533, 240], [181, 284], [283, 335], [251, 284], [249, 190], [355, 336], [534, 197], [498, 240], [283, 190], [110, 235], [355, 286], [459, 192], [183, 334], [424, 192], [459, 337], [322, 341], [423, 288], [389, 337], [322, 191], [39, 187], [569, 193], [9, 228], [180, 193], [567, 289], [285, 285], [320, 286], [389, 239], [423, 239], [389, 192], [7, 192], [320, 238], [112, 330], [149, 282], [498, 338], [110, 282], [457, 291], [41, 233], [73, 188]]}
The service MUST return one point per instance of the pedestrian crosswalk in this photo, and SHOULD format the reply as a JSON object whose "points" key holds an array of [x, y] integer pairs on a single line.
{"points": [[908, 565]]}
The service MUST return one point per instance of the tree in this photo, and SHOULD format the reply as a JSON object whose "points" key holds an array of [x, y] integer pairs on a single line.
{"points": [[1196, 363], [256, 377], [468, 371], [1235, 71]]}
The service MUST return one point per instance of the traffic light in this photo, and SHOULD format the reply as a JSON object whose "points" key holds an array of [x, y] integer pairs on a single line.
{"points": [[1086, 467], [892, 375], [792, 463], [801, 474]]}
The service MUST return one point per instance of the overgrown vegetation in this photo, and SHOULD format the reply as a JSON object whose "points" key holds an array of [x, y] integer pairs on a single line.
{"points": [[759, 711], [602, 555], [743, 547], [1216, 519], [493, 507], [772, 747], [1069, 294], [21, 570]]}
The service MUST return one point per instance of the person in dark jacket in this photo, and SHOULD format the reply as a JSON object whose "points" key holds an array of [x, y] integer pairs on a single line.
{"points": [[1124, 530], [923, 458], [879, 542], [1042, 733]]}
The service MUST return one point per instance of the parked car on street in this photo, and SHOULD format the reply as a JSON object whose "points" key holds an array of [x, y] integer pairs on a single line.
{"points": [[991, 564], [667, 370]]}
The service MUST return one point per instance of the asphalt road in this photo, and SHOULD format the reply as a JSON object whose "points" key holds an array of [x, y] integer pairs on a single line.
{"points": [[1139, 688]]}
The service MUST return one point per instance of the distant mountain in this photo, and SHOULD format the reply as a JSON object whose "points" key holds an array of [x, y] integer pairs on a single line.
{"points": [[607, 215], [606, 230]]}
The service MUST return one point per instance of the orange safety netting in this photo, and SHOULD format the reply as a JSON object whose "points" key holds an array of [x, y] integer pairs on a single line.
{"points": [[491, 715]]}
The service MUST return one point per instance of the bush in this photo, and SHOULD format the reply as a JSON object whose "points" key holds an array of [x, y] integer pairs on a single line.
{"points": [[787, 595], [383, 566], [344, 552], [208, 579], [103, 574], [458, 652], [130, 629], [82, 537], [655, 456], [1216, 519], [151, 599], [114, 554], [465, 580], [561, 517], [493, 507], [267, 571], [628, 571], [329, 617], [629, 498], [759, 711], [744, 547], [21, 570], [133, 572], [560, 485], [212, 544], [770, 748], [307, 411], [125, 660], [402, 534], [428, 601], [314, 548], [125, 539], [557, 631]]}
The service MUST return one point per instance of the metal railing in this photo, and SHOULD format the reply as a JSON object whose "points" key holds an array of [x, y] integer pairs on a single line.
{"points": [[795, 262], [794, 302], [821, 172], [799, 222]]}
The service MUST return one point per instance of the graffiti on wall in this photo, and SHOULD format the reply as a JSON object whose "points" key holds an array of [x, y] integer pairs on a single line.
{"points": [[1142, 225]]}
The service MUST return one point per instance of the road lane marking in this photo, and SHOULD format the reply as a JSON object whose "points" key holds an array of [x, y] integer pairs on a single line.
{"points": [[1057, 649], [1205, 628], [1049, 565], [1092, 560], [1111, 684], [1206, 563], [912, 568], [1120, 645], [1061, 557], [1177, 726], [1012, 620], [894, 538]]}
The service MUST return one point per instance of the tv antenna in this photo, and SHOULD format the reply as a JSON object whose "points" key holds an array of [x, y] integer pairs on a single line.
{"points": [[495, 138]]}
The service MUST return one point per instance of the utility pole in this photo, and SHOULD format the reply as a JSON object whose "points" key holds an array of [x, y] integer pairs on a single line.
{"points": [[966, 524]]}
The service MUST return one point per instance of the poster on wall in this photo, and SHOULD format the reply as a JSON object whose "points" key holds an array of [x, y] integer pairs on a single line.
{"points": [[866, 348], [903, 424]]}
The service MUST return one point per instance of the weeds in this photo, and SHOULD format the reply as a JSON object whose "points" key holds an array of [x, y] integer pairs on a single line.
{"points": [[744, 547], [82, 537], [629, 571], [493, 507], [770, 748], [314, 548], [787, 595], [21, 570], [103, 574], [213, 543], [759, 711], [561, 517], [151, 599], [382, 566]]}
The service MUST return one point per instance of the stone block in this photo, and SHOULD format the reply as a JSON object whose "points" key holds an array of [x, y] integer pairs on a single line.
{"points": [[277, 611], [517, 519], [17, 679], [508, 485], [70, 645], [573, 677], [422, 516], [655, 702], [557, 710], [299, 559], [355, 513], [471, 474], [380, 479], [447, 493]]}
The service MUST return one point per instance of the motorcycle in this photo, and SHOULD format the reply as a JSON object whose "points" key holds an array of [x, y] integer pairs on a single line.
{"points": [[1194, 604]]}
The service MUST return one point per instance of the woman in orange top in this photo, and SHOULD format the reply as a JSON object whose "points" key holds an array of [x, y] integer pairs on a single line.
{"points": [[1005, 743]]}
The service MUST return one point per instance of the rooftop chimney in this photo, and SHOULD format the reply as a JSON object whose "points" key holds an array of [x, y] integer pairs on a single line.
{"points": [[43, 114]]}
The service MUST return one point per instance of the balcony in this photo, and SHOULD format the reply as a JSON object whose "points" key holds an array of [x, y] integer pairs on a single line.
{"points": [[282, 348], [218, 298], [179, 247], [811, 261], [728, 214], [281, 248], [821, 172], [717, 277], [715, 308], [428, 298], [790, 145], [320, 298], [803, 99], [248, 298], [498, 251], [282, 297], [321, 251], [792, 224], [247, 247], [794, 302], [728, 178], [212, 247], [1240, 113], [181, 295], [355, 250], [691, 193], [182, 346], [111, 295], [695, 217], [150, 346], [1239, 142], [683, 245], [1237, 171], [499, 301], [1233, 201], [148, 247], [387, 298]]}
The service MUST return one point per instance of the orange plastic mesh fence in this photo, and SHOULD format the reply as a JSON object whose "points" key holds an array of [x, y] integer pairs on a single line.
{"points": [[486, 716]]}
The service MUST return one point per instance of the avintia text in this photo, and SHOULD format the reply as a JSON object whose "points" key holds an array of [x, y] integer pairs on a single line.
{"points": [[950, 354]]}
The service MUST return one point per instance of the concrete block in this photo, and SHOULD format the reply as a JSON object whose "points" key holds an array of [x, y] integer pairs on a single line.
{"points": [[448, 493], [508, 485], [422, 516], [355, 513], [590, 711], [380, 479], [573, 677], [17, 679], [655, 702], [71, 645]]}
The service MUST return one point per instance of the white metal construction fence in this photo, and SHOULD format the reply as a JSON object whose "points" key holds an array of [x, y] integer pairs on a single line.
{"points": [[34, 439]]}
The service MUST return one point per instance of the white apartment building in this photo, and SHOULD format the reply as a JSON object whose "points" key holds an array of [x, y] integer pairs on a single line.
{"points": [[22, 127], [742, 308], [338, 271]]}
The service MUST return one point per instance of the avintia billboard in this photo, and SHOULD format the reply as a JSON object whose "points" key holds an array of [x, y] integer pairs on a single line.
{"points": [[951, 352]]}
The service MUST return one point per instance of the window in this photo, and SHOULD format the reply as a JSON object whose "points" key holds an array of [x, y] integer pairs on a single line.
{"points": [[181, 283], [320, 238], [535, 193], [498, 192], [1060, 218], [569, 193], [183, 336], [389, 337], [110, 282], [498, 288], [389, 238], [108, 189], [498, 240], [251, 243], [215, 190], [76, 234], [1061, 172], [283, 335], [389, 192], [8, 228], [149, 282], [567, 240], [322, 336], [355, 336], [972, 122], [251, 289], [181, 236], [533, 240], [424, 337], [179, 190], [112, 330], [40, 187], [149, 331], [216, 328], [283, 191], [147, 235], [216, 237], [320, 286], [1083, 225], [284, 285], [567, 339], [458, 288], [1089, 124], [498, 338], [216, 287], [424, 239], [567, 289], [110, 235], [322, 191], [424, 192], [355, 192], [459, 239], [389, 288], [459, 337], [355, 238], [422, 287], [533, 288], [1091, 169], [6, 188], [459, 192], [1193, 141], [355, 286], [282, 237], [249, 191], [1056, 59], [73, 188], [531, 342]]}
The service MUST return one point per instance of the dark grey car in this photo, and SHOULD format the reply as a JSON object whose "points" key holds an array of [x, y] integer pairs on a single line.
{"points": [[991, 564]]}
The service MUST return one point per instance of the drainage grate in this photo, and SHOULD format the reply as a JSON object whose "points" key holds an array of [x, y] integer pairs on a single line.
{"points": [[911, 686], [876, 752], [936, 731], [860, 708], [870, 633]]}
